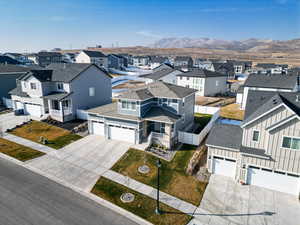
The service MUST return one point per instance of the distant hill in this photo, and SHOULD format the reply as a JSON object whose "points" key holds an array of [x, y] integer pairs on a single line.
{"points": [[249, 45]]}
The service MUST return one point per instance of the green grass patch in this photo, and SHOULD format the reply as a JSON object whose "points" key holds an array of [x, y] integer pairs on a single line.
{"points": [[173, 179], [17, 151], [202, 120], [142, 206]]}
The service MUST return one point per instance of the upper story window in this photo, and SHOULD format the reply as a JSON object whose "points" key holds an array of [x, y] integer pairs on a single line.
{"points": [[174, 100], [33, 86], [24, 84], [129, 105], [291, 143], [187, 78], [91, 91], [255, 135], [60, 86]]}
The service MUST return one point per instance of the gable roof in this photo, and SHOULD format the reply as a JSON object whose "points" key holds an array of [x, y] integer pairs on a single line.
{"points": [[183, 58], [50, 54], [226, 136], [9, 68], [259, 103], [60, 72], [158, 89], [158, 74], [267, 65], [279, 81], [8, 60], [203, 73], [163, 66], [94, 53]]}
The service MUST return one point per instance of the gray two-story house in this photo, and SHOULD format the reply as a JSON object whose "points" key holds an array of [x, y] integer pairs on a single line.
{"points": [[265, 150], [155, 112], [60, 89]]}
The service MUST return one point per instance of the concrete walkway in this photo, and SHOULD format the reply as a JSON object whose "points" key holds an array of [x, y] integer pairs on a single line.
{"points": [[151, 192], [28, 143]]}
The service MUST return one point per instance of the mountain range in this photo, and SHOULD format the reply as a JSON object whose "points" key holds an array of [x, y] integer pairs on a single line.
{"points": [[249, 45]]}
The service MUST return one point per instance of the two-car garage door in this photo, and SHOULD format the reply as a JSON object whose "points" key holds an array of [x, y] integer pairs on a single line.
{"points": [[122, 133], [33, 110], [278, 181]]}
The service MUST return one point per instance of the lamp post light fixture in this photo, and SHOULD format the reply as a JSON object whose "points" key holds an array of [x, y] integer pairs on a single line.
{"points": [[157, 210]]}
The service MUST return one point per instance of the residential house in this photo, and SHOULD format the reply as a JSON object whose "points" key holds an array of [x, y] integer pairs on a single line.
{"points": [[8, 60], [95, 57], [8, 75], [224, 68], [44, 58], [23, 59], [265, 150], [207, 83], [69, 57], [141, 61], [156, 61], [117, 61], [270, 82], [60, 89], [183, 62], [152, 113], [167, 75], [240, 67], [271, 68]]}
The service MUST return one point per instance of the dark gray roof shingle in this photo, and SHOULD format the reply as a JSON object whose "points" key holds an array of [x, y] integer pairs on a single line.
{"points": [[158, 89], [203, 73], [272, 81], [225, 135], [158, 74], [94, 53]]}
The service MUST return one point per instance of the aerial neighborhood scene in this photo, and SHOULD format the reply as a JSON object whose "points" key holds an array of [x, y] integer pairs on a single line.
{"points": [[150, 112]]}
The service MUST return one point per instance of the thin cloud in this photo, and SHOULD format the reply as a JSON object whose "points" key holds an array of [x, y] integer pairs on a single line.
{"points": [[148, 34]]}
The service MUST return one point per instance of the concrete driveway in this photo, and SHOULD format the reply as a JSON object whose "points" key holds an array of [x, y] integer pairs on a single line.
{"points": [[82, 162], [9, 120], [226, 202]]}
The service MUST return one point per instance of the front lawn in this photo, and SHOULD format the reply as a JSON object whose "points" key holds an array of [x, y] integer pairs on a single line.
{"points": [[173, 179], [56, 136], [142, 205], [17, 151]]}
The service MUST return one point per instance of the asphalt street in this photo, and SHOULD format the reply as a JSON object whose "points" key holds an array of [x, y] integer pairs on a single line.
{"points": [[27, 198]]}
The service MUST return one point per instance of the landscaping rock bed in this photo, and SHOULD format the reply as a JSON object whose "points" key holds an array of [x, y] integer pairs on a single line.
{"points": [[164, 154]]}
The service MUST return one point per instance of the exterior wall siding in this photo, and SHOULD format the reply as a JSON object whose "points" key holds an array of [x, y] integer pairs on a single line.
{"points": [[211, 87]]}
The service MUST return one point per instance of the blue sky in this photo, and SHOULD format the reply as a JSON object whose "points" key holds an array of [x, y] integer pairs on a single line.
{"points": [[33, 25]]}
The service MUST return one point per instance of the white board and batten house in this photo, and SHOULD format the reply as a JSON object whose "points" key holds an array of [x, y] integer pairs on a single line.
{"points": [[95, 57], [208, 83], [265, 149]]}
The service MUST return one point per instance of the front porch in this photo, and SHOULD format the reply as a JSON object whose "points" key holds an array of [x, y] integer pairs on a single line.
{"points": [[60, 110], [159, 133]]}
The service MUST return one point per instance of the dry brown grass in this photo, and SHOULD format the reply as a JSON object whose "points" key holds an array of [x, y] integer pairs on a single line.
{"points": [[232, 111], [17, 151], [56, 136]]}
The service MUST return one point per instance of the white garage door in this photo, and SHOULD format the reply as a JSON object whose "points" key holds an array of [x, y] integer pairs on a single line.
{"points": [[122, 133], [98, 128], [223, 166], [19, 105], [33, 110], [278, 181]]}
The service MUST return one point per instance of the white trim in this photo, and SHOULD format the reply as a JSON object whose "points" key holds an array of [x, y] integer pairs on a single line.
{"points": [[253, 130], [223, 148], [284, 121]]}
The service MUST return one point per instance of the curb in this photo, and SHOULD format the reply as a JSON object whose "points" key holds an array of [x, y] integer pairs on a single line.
{"points": [[90, 196]]}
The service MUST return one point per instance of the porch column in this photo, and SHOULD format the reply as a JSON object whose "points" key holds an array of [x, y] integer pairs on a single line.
{"points": [[61, 110], [168, 129]]}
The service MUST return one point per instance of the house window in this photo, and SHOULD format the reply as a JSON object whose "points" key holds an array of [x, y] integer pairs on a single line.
{"points": [[124, 105], [55, 105], [33, 86], [92, 91], [255, 135], [133, 105], [65, 104], [25, 84], [187, 78], [60, 86], [162, 128], [291, 143], [180, 77]]}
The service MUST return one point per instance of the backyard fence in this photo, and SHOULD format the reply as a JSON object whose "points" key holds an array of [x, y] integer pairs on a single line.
{"points": [[81, 114], [196, 139], [206, 109]]}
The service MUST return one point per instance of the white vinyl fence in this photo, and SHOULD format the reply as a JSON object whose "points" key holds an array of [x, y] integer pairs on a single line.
{"points": [[196, 139], [7, 103], [81, 114], [206, 109]]}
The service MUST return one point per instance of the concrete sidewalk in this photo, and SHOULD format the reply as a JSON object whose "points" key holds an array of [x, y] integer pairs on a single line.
{"points": [[151, 192], [28, 143]]}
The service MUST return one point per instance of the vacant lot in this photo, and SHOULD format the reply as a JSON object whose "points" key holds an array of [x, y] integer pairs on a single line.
{"points": [[56, 136], [232, 111], [173, 179], [142, 206], [17, 151]]}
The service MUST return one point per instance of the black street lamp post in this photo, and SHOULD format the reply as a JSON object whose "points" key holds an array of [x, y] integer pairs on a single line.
{"points": [[157, 210]]}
